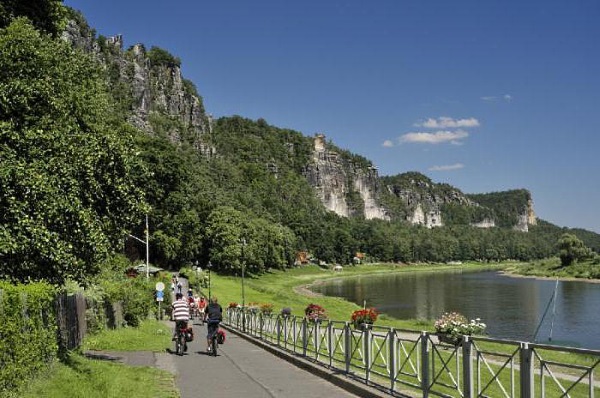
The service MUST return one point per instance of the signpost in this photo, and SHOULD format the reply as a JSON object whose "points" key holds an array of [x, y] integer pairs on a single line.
{"points": [[160, 296]]}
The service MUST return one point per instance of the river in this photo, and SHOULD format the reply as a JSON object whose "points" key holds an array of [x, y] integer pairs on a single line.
{"points": [[512, 308]]}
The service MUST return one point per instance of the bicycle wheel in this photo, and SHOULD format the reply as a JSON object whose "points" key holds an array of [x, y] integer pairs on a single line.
{"points": [[181, 344], [214, 345]]}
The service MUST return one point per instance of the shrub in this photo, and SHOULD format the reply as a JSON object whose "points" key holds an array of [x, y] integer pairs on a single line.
{"points": [[27, 332]]}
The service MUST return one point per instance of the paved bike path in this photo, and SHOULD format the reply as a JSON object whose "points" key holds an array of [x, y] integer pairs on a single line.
{"points": [[242, 369]]}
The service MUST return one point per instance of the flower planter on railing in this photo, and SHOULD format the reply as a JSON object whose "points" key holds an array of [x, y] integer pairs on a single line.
{"points": [[448, 338]]}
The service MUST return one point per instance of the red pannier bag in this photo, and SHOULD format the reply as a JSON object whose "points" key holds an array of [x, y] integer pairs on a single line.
{"points": [[220, 336]]}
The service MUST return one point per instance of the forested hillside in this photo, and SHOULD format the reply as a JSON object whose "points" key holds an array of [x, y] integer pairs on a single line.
{"points": [[86, 151]]}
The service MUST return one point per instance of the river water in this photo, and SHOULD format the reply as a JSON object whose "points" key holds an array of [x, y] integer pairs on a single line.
{"points": [[512, 308]]}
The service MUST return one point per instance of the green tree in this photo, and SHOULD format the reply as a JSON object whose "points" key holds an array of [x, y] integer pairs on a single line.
{"points": [[46, 15], [67, 196], [572, 249]]}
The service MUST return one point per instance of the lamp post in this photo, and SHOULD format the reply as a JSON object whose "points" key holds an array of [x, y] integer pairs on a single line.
{"points": [[147, 247], [243, 292], [198, 271], [209, 267]]}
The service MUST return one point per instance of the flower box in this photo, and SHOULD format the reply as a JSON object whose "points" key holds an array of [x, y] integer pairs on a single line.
{"points": [[451, 326], [315, 313], [364, 316]]}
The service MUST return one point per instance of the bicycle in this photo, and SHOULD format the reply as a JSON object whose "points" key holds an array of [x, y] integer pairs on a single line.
{"points": [[180, 339], [214, 344]]}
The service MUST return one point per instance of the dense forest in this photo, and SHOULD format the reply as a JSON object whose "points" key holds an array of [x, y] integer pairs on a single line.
{"points": [[77, 179]]}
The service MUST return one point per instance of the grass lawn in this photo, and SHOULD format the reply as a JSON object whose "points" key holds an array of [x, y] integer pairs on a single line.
{"points": [[87, 378]]}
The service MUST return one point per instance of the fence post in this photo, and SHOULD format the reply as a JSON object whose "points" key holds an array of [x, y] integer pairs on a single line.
{"points": [[317, 337], [366, 335], [392, 357], [330, 349], [278, 329], [304, 336], [526, 372], [425, 363], [347, 346], [467, 350]]}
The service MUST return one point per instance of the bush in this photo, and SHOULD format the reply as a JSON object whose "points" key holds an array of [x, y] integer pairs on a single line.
{"points": [[27, 332]]}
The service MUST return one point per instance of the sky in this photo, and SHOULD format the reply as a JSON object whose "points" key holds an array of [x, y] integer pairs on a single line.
{"points": [[484, 95]]}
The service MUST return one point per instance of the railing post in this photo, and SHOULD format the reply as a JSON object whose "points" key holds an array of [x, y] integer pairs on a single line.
{"points": [[347, 346], [304, 336], [317, 338], [366, 335], [467, 350], [425, 364], [330, 349], [526, 373], [392, 358], [278, 329], [295, 334]]}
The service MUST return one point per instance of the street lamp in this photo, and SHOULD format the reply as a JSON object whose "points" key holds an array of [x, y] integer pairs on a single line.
{"points": [[198, 271], [209, 267], [147, 248]]}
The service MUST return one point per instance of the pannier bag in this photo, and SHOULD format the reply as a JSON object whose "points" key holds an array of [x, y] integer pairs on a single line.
{"points": [[189, 335], [220, 336]]}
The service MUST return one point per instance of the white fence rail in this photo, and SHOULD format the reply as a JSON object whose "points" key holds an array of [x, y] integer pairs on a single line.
{"points": [[407, 362]]}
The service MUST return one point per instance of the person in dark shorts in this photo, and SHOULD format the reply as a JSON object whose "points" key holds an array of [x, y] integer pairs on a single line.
{"points": [[214, 315]]}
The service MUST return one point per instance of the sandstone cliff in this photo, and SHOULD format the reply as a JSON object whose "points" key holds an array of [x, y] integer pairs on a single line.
{"points": [[156, 97]]}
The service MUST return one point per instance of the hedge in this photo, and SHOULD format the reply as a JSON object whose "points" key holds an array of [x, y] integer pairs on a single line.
{"points": [[27, 332]]}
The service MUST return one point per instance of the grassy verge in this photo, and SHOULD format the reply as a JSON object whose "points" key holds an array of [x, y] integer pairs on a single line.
{"points": [[149, 336], [82, 377], [551, 268]]}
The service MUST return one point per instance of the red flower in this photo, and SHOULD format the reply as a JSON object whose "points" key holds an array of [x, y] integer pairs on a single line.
{"points": [[367, 315]]}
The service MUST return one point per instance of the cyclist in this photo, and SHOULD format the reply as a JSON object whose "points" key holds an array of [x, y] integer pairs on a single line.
{"points": [[180, 313], [201, 304], [214, 315]]}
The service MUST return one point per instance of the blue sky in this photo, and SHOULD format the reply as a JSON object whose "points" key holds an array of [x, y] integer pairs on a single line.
{"points": [[485, 95]]}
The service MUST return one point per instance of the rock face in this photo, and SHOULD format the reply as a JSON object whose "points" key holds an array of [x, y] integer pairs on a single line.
{"points": [[526, 218], [343, 187], [161, 101]]}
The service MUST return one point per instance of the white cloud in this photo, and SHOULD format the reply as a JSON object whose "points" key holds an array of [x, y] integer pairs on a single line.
{"points": [[449, 167], [387, 144], [445, 122], [494, 98], [435, 138]]}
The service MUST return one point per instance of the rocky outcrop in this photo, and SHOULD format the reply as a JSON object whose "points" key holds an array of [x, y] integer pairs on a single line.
{"points": [[485, 223], [161, 101], [339, 183], [526, 218]]}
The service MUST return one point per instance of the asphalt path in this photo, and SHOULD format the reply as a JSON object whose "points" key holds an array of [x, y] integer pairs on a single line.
{"points": [[242, 369]]}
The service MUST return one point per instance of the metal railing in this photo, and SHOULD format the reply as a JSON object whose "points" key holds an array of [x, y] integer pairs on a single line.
{"points": [[408, 362]]}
